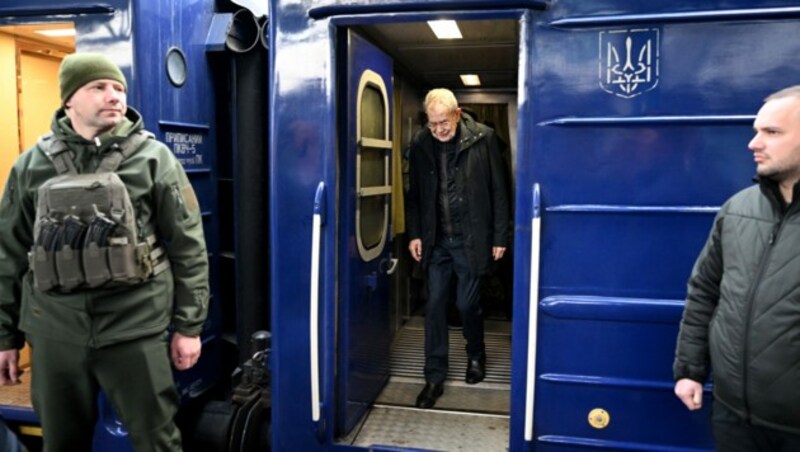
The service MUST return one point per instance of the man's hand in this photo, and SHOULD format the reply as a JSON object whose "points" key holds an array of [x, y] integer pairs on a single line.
{"points": [[497, 252], [415, 247], [185, 351], [9, 372], [690, 392]]}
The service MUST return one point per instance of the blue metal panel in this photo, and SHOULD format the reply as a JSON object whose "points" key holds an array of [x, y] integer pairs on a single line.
{"points": [[38, 9], [302, 154], [629, 188], [625, 8], [183, 118]]}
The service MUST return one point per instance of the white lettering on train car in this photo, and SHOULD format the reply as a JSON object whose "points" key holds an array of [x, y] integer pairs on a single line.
{"points": [[186, 147]]}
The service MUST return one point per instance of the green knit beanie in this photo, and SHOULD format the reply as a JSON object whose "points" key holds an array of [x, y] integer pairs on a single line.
{"points": [[79, 69]]}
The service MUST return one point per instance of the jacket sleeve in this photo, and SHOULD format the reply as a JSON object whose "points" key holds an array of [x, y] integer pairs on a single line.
{"points": [[412, 201], [180, 227], [691, 354], [16, 224], [499, 187]]}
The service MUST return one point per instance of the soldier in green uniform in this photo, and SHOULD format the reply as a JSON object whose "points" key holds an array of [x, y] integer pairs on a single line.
{"points": [[101, 327]]}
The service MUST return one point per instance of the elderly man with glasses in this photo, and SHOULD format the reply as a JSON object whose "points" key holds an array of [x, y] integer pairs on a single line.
{"points": [[457, 212]]}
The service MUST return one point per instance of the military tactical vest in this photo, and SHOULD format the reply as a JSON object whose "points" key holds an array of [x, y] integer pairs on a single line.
{"points": [[85, 234]]}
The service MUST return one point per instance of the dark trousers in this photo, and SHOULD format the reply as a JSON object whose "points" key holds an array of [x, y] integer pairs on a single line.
{"points": [[734, 434], [135, 375], [447, 259]]}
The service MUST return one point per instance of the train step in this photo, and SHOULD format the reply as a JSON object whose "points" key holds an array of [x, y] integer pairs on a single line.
{"points": [[466, 417], [482, 398], [408, 357], [433, 429]]}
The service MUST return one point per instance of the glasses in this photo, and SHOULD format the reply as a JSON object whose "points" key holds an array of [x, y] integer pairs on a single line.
{"points": [[434, 125]]}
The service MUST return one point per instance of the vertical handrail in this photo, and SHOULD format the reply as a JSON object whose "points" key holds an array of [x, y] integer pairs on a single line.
{"points": [[533, 308], [316, 230]]}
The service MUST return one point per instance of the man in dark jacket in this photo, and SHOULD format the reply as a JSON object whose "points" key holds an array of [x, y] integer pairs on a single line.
{"points": [[457, 213], [112, 336], [742, 315]]}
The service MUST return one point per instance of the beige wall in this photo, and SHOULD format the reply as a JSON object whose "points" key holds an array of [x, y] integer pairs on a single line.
{"points": [[39, 96], [9, 126]]}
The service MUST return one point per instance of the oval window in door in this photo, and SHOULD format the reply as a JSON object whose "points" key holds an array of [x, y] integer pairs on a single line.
{"points": [[373, 186]]}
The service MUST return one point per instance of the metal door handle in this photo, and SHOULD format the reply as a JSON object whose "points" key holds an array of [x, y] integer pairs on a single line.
{"points": [[389, 265], [316, 229], [533, 306]]}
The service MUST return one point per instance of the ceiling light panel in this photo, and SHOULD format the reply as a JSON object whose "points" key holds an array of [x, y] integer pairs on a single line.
{"points": [[470, 79], [445, 29]]}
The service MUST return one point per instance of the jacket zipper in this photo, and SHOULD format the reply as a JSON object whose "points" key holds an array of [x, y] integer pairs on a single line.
{"points": [[773, 238]]}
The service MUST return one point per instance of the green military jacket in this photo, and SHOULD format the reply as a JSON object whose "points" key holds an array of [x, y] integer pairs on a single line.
{"points": [[165, 205]]}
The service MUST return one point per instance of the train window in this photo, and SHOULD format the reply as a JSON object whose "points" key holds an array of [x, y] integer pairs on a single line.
{"points": [[372, 166], [176, 66]]}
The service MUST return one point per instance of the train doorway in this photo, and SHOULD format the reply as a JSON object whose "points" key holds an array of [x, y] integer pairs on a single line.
{"points": [[375, 393]]}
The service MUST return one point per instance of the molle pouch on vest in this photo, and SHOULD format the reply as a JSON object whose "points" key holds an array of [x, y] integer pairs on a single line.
{"points": [[123, 261], [69, 242], [42, 256], [95, 251]]}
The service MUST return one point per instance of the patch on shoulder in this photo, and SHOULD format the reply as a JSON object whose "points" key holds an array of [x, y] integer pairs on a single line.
{"points": [[189, 198]]}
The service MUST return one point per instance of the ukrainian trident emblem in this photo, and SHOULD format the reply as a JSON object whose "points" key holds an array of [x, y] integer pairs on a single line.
{"points": [[629, 61]]}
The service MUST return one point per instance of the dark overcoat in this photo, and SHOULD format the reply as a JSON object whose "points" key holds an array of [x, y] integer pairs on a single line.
{"points": [[480, 180]]}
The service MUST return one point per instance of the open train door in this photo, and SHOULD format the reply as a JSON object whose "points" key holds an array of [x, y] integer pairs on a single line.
{"points": [[364, 260]]}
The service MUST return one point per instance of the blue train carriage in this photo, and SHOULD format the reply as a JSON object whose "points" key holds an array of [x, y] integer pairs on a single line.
{"points": [[628, 124], [174, 57]]}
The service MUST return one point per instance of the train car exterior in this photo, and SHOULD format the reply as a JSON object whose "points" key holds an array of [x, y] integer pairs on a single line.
{"points": [[631, 130]]}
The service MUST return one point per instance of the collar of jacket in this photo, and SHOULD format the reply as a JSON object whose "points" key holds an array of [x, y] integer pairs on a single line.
{"points": [[469, 131], [62, 130], [772, 191]]}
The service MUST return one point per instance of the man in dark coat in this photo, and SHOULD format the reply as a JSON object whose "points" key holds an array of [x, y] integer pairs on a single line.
{"points": [[742, 315], [457, 213]]}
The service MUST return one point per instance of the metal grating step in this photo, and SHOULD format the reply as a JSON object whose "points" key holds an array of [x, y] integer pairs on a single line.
{"points": [[487, 398], [408, 352], [433, 430]]}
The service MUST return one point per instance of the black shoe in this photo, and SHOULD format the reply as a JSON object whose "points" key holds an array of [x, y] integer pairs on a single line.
{"points": [[476, 370], [427, 397]]}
